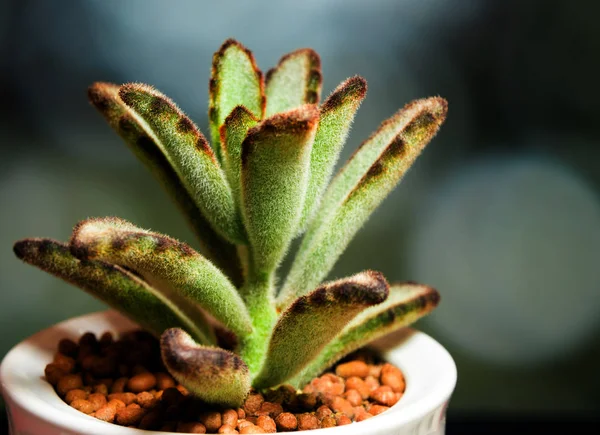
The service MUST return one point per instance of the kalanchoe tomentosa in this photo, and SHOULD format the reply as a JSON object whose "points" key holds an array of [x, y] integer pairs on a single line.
{"points": [[264, 181]]}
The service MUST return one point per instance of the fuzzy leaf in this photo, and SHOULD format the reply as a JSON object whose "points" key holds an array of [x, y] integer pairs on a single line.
{"points": [[368, 177], [314, 320], [191, 157], [113, 285], [105, 97], [296, 80], [275, 166], [235, 81], [405, 304], [233, 132], [212, 374], [337, 114], [172, 267]]}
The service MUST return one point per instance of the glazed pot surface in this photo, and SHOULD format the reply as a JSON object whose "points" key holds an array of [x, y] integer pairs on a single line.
{"points": [[34, 408]]}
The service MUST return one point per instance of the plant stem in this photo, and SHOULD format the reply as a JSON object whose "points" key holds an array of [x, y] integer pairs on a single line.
{"points": [[258, 295]]}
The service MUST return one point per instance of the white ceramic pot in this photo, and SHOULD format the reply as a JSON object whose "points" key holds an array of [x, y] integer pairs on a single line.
{"points": [[35, 409]]}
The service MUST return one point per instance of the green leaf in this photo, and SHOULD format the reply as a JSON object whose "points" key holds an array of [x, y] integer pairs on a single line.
{"points": [[296, 80], [314, 320], [135, 133], [211, 374], [405, 304], [173, 268], [189, 154], [368, 177], [235, 81], [113, 285], [233, 132], [275, 166], [337, 114]]}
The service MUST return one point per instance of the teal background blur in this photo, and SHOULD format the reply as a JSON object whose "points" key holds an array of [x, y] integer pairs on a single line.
{"points": [[501, 213]]}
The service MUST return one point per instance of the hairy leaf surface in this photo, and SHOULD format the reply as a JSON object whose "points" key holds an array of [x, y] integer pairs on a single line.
{"points": [[405, 304], [137, 135], [172, 267], [368, 177], [188, 152], [212, 374], [315, 319], [114, 286], [275, 165], [235, 81], [296, 80]]}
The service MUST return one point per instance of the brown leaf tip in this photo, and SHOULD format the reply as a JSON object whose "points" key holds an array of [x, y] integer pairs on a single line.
{"points": [[100, 93], [28, 248], [353, 89], [182, 355], [314, 61], [300, 119]]}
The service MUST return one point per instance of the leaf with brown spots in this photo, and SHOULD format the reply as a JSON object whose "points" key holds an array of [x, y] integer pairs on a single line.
{"points": [[296, 80], [114, 286], [211, 374], [235, 81], [275, 166], [368, 177], [313, 320], [337, 114], [233, 132], [188, 152], [135, 133], [173, 268], [406, 304]]}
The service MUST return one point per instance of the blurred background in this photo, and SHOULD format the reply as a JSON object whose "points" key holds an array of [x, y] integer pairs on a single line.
{"points": [[501, 213]]}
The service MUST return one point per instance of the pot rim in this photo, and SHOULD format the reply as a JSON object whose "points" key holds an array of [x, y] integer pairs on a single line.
{"points": [[429, 370]]}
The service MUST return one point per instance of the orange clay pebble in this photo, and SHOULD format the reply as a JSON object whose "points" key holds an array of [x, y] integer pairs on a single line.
{"points": [[227, 428], [100, 389], [74, 395], [384, 396], [229, 417], [330, 384], [352, 368], [323, 411], [377, 409], [374, 370], [118, 386], [242, 423], [342, 419], [328, 421], [164, 381], [131, 415], [182, 390], [339, 404], [270, 409], [193, 427], [354, 397], [372, 383], [54, 373], [307, 421], [83, 406], [253, 403], [362, 415], [68, 347], [64, 362], [212, 420], [106, 413], [286, 421], [97, 400], [266, 423], [241, 413], [356, 383], [126, 398], [142, 382], [150, 420], [145, 399], [68, 383], [392, 377], [116, 403], [251, 429]]}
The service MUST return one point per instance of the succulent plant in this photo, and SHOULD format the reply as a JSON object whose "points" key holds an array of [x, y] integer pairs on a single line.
{"points": [[264, 181]]}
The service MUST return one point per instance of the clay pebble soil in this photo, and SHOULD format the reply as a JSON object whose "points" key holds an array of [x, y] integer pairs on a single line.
{"points": [[124, 382]]}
